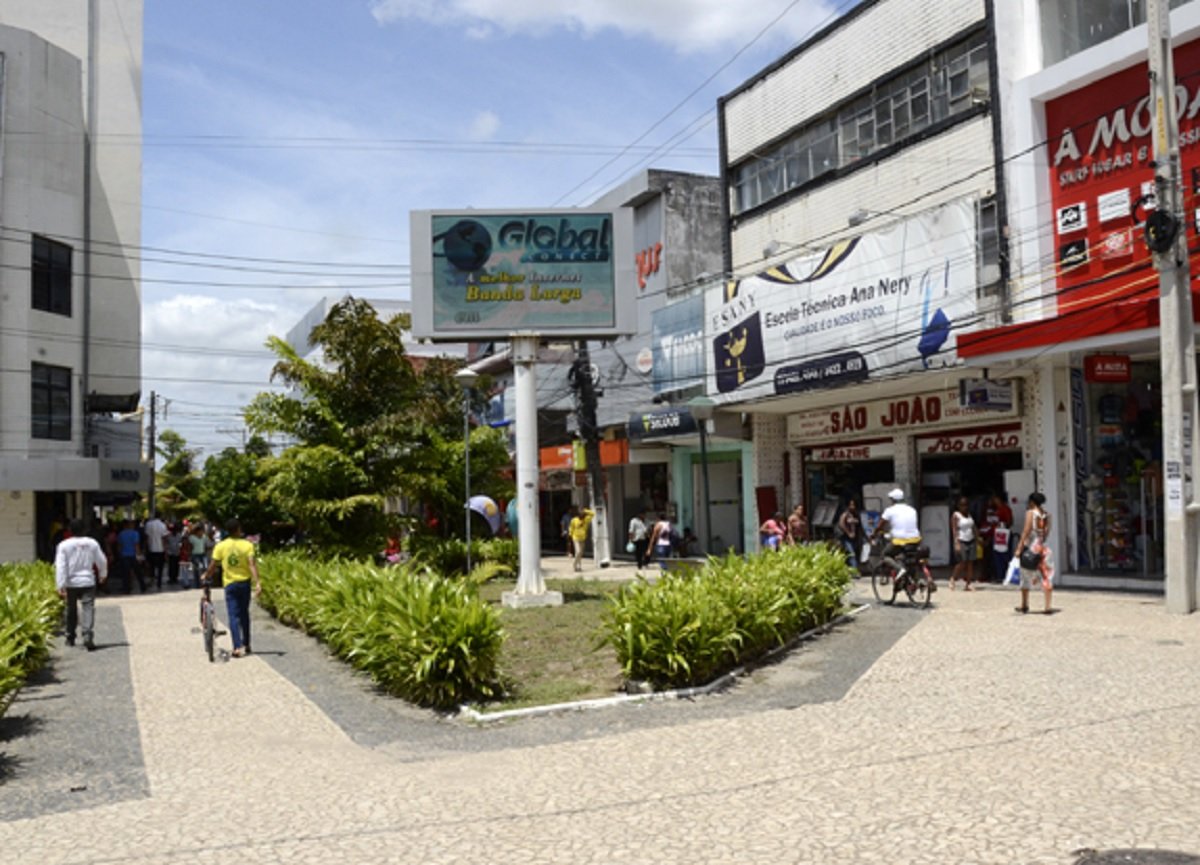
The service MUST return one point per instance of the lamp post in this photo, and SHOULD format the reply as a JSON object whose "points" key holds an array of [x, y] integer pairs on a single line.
{"points": [[467, 378], [702, 409]]}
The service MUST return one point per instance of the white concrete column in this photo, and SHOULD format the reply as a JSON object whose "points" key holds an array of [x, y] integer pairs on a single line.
{"points": [[531, 587]]}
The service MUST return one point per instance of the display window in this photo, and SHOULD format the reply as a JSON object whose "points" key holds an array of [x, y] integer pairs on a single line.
{"points": [[1121, 476], [835, 474]]}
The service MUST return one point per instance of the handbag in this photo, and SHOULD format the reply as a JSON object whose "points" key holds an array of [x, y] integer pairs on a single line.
{"points": [[1030, 560]]}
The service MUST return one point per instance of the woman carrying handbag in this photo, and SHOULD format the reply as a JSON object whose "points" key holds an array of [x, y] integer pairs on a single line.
{"points": [[1034, 554]]}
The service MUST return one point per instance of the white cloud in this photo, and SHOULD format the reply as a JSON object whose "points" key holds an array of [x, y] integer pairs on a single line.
{"points": [[685, 25], [484, 126]]}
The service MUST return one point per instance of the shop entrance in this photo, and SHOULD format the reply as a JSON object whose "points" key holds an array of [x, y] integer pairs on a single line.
{"points": [[833, 475]]}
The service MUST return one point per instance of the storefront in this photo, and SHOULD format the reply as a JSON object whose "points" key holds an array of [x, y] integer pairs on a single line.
{"points": [[931, 444], [1117, 431]]}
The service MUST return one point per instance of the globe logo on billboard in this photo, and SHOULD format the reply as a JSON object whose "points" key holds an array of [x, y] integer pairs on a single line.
{"points": [[467, 245]]}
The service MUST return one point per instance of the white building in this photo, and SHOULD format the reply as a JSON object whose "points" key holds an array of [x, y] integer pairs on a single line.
{"points": [[1007, 139], [70, 215], [863, 196]]}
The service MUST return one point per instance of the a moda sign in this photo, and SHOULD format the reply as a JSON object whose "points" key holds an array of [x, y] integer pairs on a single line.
{"points": [[491, 275], [1100, 151], [1107, 368], [888, 416], [875, 305]]}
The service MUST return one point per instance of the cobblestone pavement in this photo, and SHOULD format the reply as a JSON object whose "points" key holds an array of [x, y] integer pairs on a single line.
{"points": [[964, 734]]}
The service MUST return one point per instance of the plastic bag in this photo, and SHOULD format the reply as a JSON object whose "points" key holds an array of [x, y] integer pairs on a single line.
{"points": [[1012, 576], [866, 553], [629, 548]]}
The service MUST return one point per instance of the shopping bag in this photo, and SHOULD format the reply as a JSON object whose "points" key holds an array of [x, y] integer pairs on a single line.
{"points": [[1012, 576], [629, 547], [1000, 539], [866, 553]]}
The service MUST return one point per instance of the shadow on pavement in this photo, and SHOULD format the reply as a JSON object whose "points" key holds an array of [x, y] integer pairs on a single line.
{"points": [[1134, 857]]}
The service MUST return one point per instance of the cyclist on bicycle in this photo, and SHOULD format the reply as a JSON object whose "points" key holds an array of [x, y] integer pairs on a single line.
{"points": [[899, 521]]}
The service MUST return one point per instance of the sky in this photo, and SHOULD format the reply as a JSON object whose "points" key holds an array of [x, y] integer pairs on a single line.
{"points": [[286, 141]]}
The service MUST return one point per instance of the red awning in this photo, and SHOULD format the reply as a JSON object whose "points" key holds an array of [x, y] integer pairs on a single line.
{"points": [[1125, 316]]}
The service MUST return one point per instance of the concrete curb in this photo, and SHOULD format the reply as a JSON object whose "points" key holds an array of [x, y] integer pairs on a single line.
{"points": [[471, 714]]}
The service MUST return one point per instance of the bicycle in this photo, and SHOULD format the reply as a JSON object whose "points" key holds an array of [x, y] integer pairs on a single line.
{"points": [[208, 620], [911, 575]]}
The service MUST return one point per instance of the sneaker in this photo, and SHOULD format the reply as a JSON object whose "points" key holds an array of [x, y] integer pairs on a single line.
{"points": [[70, 641], [89, 644]]}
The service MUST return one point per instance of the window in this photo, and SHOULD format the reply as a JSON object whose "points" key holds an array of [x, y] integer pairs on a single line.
{"points": [[51, 276], [50, 403], [950, 82], [1071, 26]]}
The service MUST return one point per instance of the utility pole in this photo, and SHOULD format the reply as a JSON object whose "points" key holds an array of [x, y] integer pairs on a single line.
{"points": [[153, 451], [585, 391], [1166, 236]]}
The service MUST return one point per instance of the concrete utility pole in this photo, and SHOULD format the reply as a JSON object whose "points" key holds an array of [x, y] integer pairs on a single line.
{"points": [[585, 388], [153, 449], [1166, 235]]}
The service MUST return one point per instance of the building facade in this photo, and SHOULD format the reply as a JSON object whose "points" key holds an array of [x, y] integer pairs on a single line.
{"points": [[70, 233], [937, 274]]}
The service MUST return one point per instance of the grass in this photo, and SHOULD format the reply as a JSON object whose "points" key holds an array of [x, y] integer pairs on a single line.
{"points": [[553, 654]]}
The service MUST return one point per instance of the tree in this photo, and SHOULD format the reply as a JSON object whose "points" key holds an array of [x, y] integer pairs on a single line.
{"points": [[176, 482], [233, 486], [370, 423]]}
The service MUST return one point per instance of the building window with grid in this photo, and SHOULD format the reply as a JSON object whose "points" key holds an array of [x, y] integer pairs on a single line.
{"points": [[51, 276], [896, 109], [50, 402]]}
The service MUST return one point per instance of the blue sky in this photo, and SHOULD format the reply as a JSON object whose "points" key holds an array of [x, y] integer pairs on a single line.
{"points": [[302, 132]]}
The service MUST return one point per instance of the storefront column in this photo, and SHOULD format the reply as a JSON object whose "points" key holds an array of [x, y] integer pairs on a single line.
{"points": [[770, 444], [1043, 411], [906, 467]]}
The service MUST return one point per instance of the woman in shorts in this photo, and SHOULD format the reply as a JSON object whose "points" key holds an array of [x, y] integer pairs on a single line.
{"points": [[962, 529], [1033, 538]]}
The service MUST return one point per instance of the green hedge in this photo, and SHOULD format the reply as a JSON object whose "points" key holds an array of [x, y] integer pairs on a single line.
{"points": [[690, 627], [449, 555], [420, 636], [30, 611]]}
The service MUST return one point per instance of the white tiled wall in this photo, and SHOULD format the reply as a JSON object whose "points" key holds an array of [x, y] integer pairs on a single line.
{"points": [[888, 35], [770, 444], [16, 526]]}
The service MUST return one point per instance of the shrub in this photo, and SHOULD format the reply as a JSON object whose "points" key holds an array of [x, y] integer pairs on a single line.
{"points": [[449, 555], [694, 625], [420, 636], [30, 610]]}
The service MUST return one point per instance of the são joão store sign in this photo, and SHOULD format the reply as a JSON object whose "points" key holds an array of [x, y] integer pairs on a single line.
{"points": [[491, 275], [876, 305]]}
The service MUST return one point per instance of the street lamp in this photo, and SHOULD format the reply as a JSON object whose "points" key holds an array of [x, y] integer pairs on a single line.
{"points": [[467, 378], [702, 409]]}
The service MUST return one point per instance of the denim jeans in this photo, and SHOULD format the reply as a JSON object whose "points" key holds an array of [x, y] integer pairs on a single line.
{"points": [[85, 598], [851, 552], [237, 604]]}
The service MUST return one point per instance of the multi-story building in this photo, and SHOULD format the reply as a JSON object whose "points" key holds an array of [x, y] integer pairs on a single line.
{"points": [[930, 201], [70, 229], [864, 198]]}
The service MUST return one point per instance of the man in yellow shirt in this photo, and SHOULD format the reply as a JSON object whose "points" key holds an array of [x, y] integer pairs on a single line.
{"points": [[235, 555], [578, 530]]}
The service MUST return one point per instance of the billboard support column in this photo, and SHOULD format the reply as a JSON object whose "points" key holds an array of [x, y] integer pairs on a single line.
{"points": [[531, 587], [1167, 238]]}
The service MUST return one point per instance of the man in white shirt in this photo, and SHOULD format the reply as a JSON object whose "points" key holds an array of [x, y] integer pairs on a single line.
{"points": [[78, 562], [639, 536], [899, 521], [155, 530]]}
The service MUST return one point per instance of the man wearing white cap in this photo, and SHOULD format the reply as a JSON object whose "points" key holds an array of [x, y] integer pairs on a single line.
{"points": [[900, 522]]}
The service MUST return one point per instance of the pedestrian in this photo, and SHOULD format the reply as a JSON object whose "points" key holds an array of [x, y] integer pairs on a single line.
{"points": [[235, 555], [129, 552], [797, 526], [1000, 518], [173, 546], [848, 532], [661, 540], [578, 530], [564, 527], [773, 531], [1033, 540], [962, 530], [79, 567], [155, 531], [198, 542], [639, 536]]}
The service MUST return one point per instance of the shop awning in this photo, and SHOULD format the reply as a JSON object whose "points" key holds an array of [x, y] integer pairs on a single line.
{"points": [[1133, 319]]}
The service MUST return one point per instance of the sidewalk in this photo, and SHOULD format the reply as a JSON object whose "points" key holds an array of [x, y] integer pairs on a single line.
{"points": [[975, 735]]}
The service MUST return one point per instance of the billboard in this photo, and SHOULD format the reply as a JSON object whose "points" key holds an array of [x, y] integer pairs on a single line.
{"points": [[677, 345], [872, 306], [490, 275], [1100, 153]]}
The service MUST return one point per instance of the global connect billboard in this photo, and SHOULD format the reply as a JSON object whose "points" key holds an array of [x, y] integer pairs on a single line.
{"points": [[490, 275]]}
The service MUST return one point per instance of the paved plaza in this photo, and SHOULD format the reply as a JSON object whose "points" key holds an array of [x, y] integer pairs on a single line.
{"points": [[963, 734]]}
